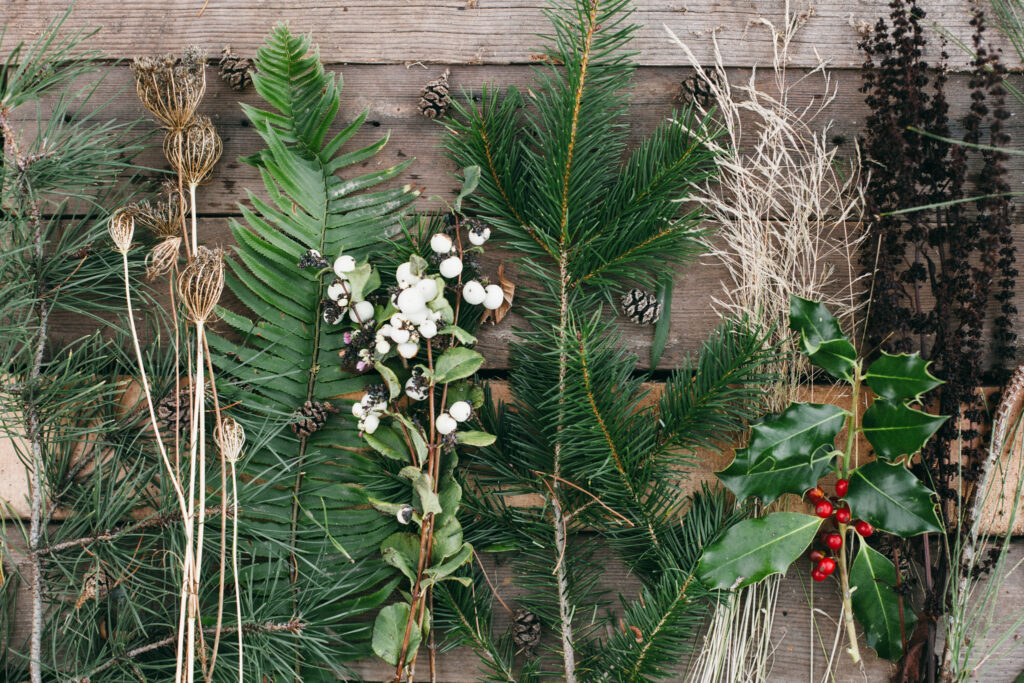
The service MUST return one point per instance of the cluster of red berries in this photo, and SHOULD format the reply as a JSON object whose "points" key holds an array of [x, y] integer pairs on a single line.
{"points": [[825, 508]]}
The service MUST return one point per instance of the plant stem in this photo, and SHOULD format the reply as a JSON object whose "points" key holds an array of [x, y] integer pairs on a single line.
{"points": [[223, 514], [234, 566], [35, 525], [844, 580]]}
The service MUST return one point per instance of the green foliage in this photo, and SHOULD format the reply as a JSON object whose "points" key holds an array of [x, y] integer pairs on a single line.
{"points": [[787, 453], [756, 548], [876, 605], [286, 357], [790, 452]]}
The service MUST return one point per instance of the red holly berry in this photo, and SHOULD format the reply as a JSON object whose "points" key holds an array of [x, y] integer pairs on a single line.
{"points": [[842, 486], [843, 515], [817, 575], [815, 494], [863, 528], [823, 509], [817, 556], [827, 566], [834, 541]]}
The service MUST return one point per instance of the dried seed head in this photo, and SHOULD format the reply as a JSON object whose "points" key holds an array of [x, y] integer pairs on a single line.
{"points": [[171, 88], [163, 218], [121, 227], [193, 150], [230, 438], [162, 257], [201, 283]]}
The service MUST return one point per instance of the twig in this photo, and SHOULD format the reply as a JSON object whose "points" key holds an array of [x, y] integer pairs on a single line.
{"points": [[494, 590]]}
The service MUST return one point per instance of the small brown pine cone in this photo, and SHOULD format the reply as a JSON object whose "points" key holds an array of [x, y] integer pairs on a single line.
{"points": [[526, 631], [167, 408], [312, 417], [697, 90], [236, 71], [641, 307], [435, 98]]}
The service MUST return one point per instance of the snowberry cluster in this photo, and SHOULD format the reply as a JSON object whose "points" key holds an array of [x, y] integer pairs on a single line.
{"points": [[370, 407], [835, 507]]}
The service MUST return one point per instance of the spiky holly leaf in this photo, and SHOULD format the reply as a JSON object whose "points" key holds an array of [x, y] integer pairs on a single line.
{"points": [[892, 499], [876, 605], [903, 377], [756, 548], [821, 338], [787, 452], [894, 429]]}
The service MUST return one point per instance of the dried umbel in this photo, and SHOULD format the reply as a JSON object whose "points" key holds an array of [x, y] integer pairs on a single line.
{"points": [[162, 257], [230, 438], [171, 88], [193, 150], [201, 283], [164, 218], [121, 227]]}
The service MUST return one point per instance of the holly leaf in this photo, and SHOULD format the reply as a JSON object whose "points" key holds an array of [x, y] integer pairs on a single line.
{"points": [[894, 429], [821, 338], [787, 453], [756, 548], [892, 499], [876, 605], [901, 378], [389, 633], [456, 363]]}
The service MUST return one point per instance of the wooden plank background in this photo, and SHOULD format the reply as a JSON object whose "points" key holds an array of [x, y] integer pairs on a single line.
{"points": [[387, 49]]}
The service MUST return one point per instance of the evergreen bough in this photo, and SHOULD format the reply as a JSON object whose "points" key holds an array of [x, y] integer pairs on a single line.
{"points": [[580, 432]]}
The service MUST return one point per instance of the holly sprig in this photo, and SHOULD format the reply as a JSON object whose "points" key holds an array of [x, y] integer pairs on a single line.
{"points": [[790, 453]]}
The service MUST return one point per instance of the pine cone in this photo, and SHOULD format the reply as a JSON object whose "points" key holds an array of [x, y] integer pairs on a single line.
{"points": [[235, 70], [434, 98], [697, 90], [312, 417], [526, 631], [641, 307], [166, 410]]}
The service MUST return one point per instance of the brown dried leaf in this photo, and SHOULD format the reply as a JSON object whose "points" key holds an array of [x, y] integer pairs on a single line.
{"points": [[509, 288]]}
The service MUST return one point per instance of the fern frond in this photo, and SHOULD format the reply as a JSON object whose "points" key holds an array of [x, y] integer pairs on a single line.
{"points": [[285, 356]]}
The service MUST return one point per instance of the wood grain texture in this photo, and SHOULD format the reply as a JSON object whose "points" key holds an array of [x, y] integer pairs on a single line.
{"points": [[469, 31]]}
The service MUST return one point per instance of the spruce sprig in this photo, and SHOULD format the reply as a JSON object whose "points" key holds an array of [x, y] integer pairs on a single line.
{"points": [[581, 431]]}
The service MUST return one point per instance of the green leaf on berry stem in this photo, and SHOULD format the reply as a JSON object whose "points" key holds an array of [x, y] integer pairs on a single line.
{"points": [[474, 438], [876, 605], [390, 378], [756, 548], [821, 338], [388, 443], [901, 378], [389, 633], [456, 363], [894, 429], [787, 453], [892, 499]]}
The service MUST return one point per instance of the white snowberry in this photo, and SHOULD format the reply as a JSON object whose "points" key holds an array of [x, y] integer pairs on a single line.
{"points": [[451, 267], [478, 237], [460, 410], [338, 290], [405, 277], [473, 292], [441, 243], [361, 312], [369, 424], [428, 288], [344, 264], [417, 391], [417, 317], [383, 346], [358, 410], [400, 335], [445, 424], [411, 300], [493, 297], [428, 329], [408, 349]]}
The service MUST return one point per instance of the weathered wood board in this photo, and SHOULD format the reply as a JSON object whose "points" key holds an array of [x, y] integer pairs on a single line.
{"points": [[471, 31]]}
